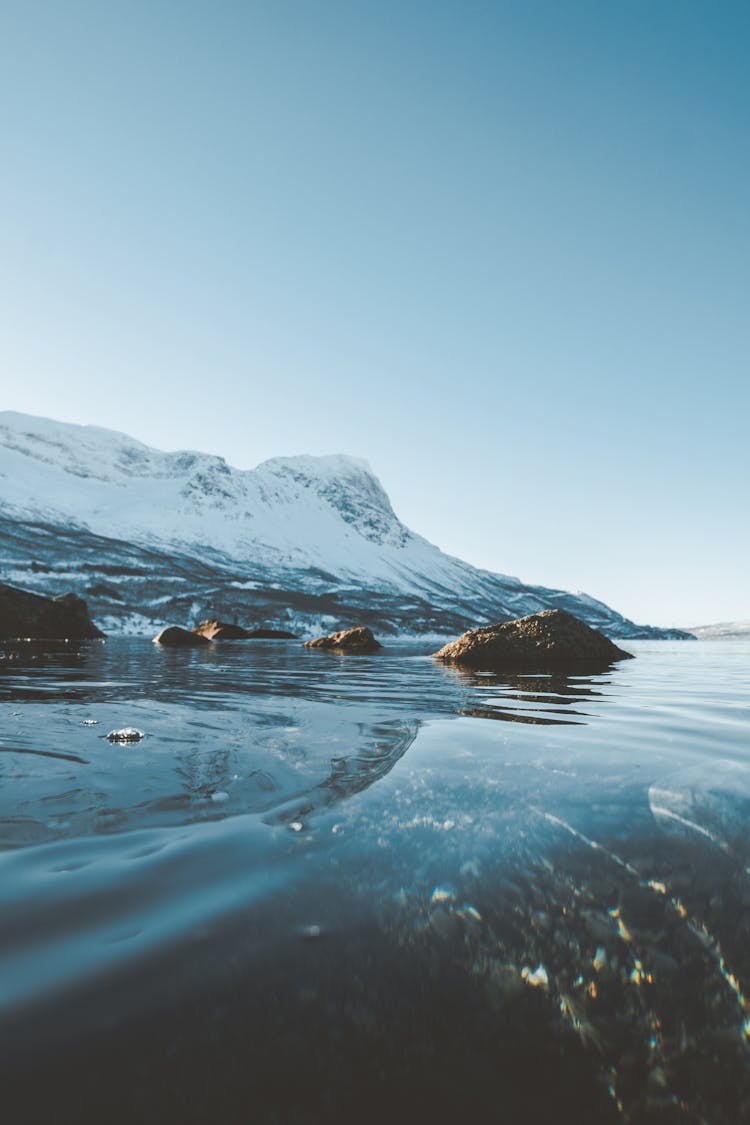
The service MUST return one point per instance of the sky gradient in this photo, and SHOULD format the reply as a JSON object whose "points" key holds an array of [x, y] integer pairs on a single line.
{"points": [[501, 250]]}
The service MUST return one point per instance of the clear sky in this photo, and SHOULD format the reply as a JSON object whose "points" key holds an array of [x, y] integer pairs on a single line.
{"points": [[501, 250]]}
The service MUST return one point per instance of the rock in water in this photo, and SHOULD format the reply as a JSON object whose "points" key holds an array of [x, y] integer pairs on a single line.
{"points": [[222, 631], [175, 637], [553, 640], [34, 617], [348, 640]]}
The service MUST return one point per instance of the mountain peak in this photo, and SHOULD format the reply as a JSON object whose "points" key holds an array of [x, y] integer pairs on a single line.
{"points": [[349, 486], [324, 465]]}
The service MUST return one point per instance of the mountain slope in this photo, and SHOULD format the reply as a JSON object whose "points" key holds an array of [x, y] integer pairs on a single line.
{"points": [[149, 537], [723, 631]]}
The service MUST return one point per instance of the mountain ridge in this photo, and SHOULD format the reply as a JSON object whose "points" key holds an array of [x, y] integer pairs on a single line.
{"points": [[722, 630], [128, 526]]}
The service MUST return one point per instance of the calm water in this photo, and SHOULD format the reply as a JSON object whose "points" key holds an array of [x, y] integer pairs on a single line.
{"points": [[327, 889]]}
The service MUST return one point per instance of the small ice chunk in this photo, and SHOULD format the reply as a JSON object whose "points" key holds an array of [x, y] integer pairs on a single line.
{"points": [[310, 932], [91, 723], [219, 796], [127, 734], [658, 1077], [537, 978], [296, 826]]}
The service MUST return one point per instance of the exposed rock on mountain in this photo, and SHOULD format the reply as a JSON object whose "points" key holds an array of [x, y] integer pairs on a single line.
{"points": [[31, 616], [175, 637], [553, 640], [348, 640], [301, 543]]}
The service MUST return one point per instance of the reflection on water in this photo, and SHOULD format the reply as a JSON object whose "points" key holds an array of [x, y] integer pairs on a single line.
{"points": [[540, 699], [370, 760], [318, 888], [230, 730]]}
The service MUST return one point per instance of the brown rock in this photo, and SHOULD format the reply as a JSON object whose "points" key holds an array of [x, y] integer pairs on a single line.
{"points": [[222, 631], [35, 617], [348, 640], [553, 640], [175, 637]]}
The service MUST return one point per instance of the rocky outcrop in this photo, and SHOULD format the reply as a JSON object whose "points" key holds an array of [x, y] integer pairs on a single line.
{"points": [[222, 631], [358, 640], [553, 640], [26, 616], [175, 637]]}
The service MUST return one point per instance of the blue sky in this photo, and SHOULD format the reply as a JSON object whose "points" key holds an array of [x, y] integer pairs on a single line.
{"points": [[501, 250]]}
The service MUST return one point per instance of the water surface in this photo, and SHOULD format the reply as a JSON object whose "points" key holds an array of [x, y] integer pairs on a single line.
{"points": [[324, 888]]}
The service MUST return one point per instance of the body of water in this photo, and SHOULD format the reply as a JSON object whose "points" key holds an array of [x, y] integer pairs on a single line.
{"points": [[327, 889]]}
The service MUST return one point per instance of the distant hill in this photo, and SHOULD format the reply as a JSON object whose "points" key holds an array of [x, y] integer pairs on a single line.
{"points": [[725, 631]]}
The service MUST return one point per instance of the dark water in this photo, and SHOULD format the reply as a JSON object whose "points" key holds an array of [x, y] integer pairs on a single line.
{"points": [[327, 889]]}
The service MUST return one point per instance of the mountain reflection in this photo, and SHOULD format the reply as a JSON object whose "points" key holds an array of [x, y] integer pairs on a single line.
{"points": [[381, 748], [229, 730], [244, 731]]}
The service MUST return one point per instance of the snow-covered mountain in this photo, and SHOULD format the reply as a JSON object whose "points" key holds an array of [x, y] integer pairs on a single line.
{"points": [[723, 631], [149, 537]]}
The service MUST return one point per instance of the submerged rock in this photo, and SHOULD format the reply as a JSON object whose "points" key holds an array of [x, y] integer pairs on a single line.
{"points": [[34, 617], [176, 637], [223, 631], [348, 640], [553, 640]]}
